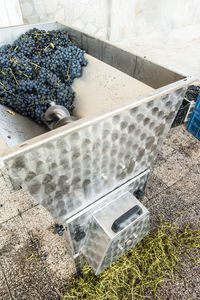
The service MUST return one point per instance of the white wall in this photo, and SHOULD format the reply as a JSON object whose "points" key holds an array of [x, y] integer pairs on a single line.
{"points": [[141, 17], [10, 13], [115, 19], [90, 15]]}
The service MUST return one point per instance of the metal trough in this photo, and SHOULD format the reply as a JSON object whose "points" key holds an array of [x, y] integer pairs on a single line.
{"points": [[90, 174]]}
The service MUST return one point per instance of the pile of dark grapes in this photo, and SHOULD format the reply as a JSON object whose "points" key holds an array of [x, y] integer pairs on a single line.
{"points": [[192, 92], [37, 69]]}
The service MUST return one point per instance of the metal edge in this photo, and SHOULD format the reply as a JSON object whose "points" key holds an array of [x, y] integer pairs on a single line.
{"points": [[119, 47], [83, 122], [102, 199], [62, 25], [27, 25]]}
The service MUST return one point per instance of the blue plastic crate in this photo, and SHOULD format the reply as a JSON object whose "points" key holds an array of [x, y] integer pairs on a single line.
{"points": [[193, 125], [198, 102]]}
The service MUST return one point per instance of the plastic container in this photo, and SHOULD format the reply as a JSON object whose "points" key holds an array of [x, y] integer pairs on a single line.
{"points": [[198, 103], [193, 125]]}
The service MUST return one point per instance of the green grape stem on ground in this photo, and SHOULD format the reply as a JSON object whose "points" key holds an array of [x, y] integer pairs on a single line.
{"points": [[139, 274]]}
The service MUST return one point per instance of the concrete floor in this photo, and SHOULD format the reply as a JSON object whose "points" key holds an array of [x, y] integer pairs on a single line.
{"points": [[34, 263]]}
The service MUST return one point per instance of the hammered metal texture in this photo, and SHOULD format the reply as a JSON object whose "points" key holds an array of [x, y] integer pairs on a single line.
{"points": [[70, 172], [84, 219], [102, 246], [119, 245]]}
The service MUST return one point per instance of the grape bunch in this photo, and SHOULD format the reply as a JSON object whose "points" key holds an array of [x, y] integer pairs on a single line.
{"points": [[37, 69], [192, 92]]}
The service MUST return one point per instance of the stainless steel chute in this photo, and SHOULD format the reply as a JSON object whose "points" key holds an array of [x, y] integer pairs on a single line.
{"points": [[86, 173]]}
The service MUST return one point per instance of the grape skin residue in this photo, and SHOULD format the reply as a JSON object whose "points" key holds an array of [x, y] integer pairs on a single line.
{"points": [[37, 69]]}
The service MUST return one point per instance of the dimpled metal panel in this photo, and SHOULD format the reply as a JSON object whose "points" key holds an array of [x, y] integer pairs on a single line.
{"points": [[71, 171], [103, 246], [83, 219], [119, 245]]}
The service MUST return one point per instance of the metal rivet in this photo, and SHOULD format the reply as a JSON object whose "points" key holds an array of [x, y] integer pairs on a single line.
{"points": [[104, 177], [122, 166], [129, 242], [120, 247], [135, 235]]}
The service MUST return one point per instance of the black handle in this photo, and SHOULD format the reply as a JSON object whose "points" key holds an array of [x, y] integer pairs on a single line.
{"points": [[128, 216]]}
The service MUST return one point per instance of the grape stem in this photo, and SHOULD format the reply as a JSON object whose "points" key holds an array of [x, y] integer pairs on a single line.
{"points": [[3, 85], [68, 77], [46, 47], [13, 75]]}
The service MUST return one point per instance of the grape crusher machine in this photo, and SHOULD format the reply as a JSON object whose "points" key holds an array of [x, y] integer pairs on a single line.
{"points": [[91, 174]]}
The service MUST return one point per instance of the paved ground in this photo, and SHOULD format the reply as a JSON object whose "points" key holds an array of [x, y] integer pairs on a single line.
{"points": [[34, 263]]}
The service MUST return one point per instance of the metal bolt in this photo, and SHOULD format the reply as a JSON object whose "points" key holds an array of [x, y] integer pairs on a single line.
{"points": [[120, 247], [135, 235], [79, 234], [139, 194], [104, 177], [129, 242], [59, 229], [77, 254], [122, 166]]}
